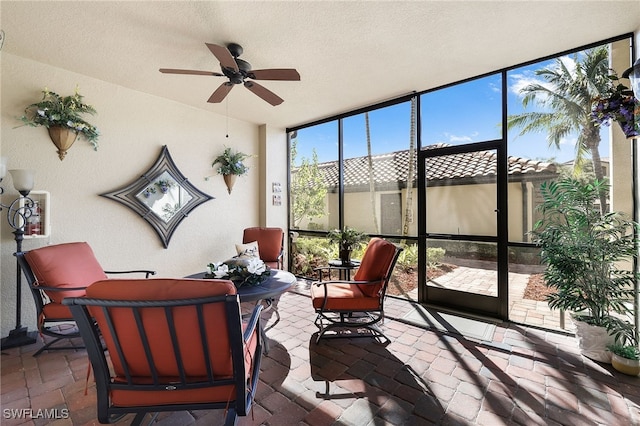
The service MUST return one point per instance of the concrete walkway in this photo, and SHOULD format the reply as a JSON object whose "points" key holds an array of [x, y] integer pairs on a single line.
{"points": [[480, 277]]}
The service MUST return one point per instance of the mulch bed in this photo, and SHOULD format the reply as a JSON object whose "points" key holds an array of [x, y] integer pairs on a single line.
{"points": [[536, 288], [404, 281]]}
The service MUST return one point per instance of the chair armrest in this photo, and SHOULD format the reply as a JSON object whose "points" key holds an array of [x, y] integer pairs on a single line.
{"points": [[253, 322], [137, 271], [319, 283], [43, 287]]}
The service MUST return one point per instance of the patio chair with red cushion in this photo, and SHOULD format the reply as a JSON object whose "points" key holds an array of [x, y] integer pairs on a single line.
{"points": [[342, 306], [270, 244], [173, 344], [55, 272]]}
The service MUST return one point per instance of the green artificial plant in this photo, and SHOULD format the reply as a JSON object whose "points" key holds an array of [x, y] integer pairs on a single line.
{"points": [[231, 163], [348, 238], [64, 111], [582, 249]]}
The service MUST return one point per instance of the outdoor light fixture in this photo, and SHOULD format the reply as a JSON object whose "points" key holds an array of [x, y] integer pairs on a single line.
{"points": [[633, 74], [17, 214]]}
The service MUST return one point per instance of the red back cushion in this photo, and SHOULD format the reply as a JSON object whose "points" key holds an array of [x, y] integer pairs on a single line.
{"points": [[155, 324], [376, 261], [269, 241], [65, 265]]}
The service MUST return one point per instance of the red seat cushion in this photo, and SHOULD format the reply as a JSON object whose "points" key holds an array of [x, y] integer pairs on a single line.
{"points": [[63, 266], [154, 323], [269, 243], [343, 297], [375, 264]]}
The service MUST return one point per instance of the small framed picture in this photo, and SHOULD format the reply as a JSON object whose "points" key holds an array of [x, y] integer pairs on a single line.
{"points": [[276, 187], [277, 200]]}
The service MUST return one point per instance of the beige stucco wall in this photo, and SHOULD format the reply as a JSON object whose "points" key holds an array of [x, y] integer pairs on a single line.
{"points": [[134, 127], [457, 209]]}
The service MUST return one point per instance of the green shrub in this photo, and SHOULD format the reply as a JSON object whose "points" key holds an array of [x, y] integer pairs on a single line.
{"points": [[311, 252], [628, 352], [434, 257], [408, 258]]}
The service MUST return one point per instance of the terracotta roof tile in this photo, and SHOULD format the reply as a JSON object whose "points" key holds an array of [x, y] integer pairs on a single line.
{"points": [[394, 167]]}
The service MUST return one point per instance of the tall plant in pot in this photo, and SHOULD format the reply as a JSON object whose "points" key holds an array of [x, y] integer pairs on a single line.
{"points": [[584, 251], [347, 239]]}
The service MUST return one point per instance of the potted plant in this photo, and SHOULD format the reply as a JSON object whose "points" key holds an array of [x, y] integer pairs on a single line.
{"points": [[231, 166], [625, 358], [62, 116], [583, 249], [348, 239], [618, 104]]}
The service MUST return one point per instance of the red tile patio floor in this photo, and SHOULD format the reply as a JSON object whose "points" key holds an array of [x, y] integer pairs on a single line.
{"points": [[523, 376]]}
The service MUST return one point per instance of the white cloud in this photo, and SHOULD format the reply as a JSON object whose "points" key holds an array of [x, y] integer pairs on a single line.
{"points": [[495, 87], [520, 80], [571, 141], [461, 139]]}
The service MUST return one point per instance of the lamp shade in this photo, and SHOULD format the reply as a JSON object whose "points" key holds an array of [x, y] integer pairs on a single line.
{"points": [[3, 167], [22, 180], [633, 74]]}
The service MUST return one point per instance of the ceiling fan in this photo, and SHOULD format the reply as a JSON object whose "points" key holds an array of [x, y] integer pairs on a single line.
{"points": [[240, 72]]}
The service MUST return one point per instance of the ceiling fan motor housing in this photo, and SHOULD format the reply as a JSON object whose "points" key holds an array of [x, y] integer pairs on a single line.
{"points": [[237, 77]]}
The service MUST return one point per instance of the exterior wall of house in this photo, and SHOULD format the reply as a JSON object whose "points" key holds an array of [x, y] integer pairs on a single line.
{"points": [[620, 147], [456, 209], [134, 126]]}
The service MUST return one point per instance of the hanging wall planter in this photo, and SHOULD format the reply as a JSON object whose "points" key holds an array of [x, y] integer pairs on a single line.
{"points": [[62, 138], [62, 116], [618, 104], [230, 166], [229, 180]]}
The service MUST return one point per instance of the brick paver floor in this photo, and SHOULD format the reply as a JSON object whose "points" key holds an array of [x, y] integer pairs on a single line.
{"points": [[422, 377]]}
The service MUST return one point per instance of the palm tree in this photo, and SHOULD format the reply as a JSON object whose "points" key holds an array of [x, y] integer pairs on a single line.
{"points": [[372, 184], [567, 97]]}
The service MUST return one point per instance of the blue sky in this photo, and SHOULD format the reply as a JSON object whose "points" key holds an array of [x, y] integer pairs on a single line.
{"points": [[465, 113]]}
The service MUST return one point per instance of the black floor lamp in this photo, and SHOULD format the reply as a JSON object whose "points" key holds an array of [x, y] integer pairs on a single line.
{"points": [[17, 214]]}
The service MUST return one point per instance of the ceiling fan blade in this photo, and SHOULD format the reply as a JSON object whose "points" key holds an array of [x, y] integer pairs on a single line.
{"points": [[221, 92], [288, 74], [264, 93], [223, 55], [191, 72]]}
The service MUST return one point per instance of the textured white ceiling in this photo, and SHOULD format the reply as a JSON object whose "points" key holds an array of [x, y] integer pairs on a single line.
{"points": [[349, 54]]}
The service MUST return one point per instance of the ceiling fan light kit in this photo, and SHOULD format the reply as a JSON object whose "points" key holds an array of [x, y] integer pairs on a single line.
{"points": [[239, 71]]}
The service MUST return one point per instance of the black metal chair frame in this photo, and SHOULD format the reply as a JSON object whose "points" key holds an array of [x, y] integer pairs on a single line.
{"points": [[327, 320], [50, 327], [245, 392]]}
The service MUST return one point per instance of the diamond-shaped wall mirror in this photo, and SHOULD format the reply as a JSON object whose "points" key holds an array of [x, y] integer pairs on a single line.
{"points": [[162, 196]]}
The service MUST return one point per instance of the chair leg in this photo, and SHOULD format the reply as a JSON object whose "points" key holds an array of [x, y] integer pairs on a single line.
{"points": [[47, 346], [232, 417], [371, 325]]}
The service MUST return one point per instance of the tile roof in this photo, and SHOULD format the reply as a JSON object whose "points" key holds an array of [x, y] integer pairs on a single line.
{"points": [[393, 168]]}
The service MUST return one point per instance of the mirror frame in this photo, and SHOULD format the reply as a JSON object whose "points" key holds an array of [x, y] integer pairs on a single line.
{"points": [[127, 195]]}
